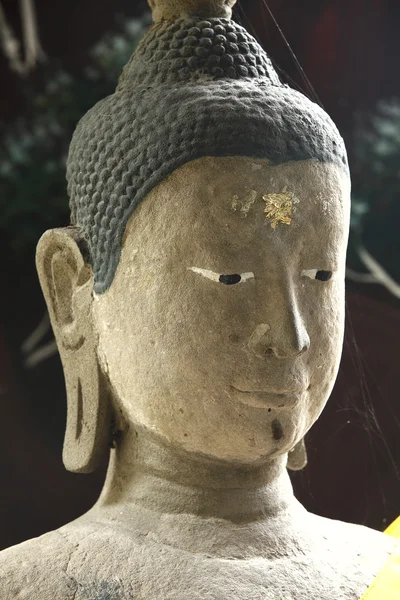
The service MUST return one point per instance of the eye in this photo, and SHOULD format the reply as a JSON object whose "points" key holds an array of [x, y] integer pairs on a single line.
{"points": [[323, 275], [316, 274], [230, 279]]}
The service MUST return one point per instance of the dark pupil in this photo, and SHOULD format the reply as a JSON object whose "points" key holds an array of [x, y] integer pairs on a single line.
{"points": [[229, 279], [323, 275]]}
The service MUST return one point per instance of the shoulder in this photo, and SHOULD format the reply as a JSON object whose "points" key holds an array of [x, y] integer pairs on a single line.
{"points": [[353, 536], [356, 554], [38, 568], [81, 560]]}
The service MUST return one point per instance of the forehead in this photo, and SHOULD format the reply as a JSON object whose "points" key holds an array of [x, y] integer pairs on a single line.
{"points": [[234, 201]]}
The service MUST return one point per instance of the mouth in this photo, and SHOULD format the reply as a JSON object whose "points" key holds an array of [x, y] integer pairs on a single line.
{"points": [[277, 399], [270, 391]]}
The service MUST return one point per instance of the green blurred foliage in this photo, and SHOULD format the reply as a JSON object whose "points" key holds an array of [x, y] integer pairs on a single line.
{"points": [[34, 148], [376, 185]]}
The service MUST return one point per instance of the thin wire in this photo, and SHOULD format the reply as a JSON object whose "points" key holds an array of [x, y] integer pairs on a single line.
{"points": [[249, 25], [371, 421], [288, 78], [296, 60]]}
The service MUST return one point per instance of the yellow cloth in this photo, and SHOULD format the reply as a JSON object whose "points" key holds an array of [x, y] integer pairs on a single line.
{"points": [[386, 585]]}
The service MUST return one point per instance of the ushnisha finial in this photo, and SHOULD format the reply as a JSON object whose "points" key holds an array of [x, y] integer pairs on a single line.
{"points": [[173, 9]]}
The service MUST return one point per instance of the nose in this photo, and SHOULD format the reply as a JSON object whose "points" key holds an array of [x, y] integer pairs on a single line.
{"points": [[285, 336]]}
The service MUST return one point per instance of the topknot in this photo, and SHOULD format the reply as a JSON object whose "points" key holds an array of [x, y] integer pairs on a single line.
{"points": [[173, 9]]}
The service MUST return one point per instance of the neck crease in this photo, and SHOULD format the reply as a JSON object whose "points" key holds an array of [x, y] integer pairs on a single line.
{"points": [[145, 471]]}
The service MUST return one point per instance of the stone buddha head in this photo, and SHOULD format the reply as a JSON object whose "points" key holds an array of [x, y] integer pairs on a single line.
{"points": [[199, 292]]}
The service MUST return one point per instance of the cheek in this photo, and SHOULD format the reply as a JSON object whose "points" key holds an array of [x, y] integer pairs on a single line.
{"points": [[324, 307], [125, 343], [204, 314], [326, 328]]}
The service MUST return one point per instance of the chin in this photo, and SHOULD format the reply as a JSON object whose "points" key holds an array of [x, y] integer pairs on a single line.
{"points": [[252, 447]]}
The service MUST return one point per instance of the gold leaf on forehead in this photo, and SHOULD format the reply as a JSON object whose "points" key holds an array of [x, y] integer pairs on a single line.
{"points": [[279, 208]]}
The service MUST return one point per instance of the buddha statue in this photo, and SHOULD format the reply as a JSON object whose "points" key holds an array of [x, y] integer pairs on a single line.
{"points": [[198, 305]]}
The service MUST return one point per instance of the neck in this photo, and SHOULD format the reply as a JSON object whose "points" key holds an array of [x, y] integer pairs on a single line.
{"points": [[146, 472]]}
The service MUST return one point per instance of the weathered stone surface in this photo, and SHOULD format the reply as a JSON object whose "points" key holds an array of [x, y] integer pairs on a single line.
{"points": [[170, 9], [105, 560]]}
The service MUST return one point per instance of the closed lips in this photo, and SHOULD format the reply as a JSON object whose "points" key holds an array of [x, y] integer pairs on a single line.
{"points": [[280, 392]]}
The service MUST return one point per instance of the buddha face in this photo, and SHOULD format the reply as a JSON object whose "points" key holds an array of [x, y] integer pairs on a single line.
{"points": [[222, 330]]}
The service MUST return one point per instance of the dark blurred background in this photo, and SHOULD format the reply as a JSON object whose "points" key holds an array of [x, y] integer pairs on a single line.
{"points": [[349, 52]]}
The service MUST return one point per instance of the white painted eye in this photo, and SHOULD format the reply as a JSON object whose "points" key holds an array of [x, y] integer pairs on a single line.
{"points": [[320, 275], [229, 279]]}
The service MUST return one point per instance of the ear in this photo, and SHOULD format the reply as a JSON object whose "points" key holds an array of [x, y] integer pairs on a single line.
{"points": [[66, 279], [297, 457], [63, 274]]}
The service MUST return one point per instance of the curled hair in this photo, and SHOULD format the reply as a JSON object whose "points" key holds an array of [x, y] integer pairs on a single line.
{"points": [[192, 89]]}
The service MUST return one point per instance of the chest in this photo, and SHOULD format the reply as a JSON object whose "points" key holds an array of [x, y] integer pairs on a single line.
{"points": [[167, 574]]}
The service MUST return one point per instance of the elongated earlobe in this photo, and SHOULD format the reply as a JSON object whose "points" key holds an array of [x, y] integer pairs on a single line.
{"points": [[297, 457], [88, 429], [67, 285]]}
